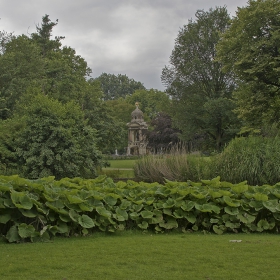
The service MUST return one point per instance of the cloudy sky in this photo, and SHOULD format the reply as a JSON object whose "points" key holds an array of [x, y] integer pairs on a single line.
{"points": [[132, 37]]}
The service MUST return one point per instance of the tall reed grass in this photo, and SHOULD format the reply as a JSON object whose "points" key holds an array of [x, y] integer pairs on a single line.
{"points": [[255, 159], [175, 166]]}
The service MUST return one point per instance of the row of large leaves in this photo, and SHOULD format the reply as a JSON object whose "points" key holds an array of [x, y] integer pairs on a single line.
{"points": [[33, 210]]}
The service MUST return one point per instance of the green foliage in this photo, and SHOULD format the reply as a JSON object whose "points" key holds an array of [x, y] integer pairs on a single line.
{"points": [[56, 140], [201, 93], [40, 209], [176, 166], [250, 48], [255, 159], [116, 86], [151, 101]]}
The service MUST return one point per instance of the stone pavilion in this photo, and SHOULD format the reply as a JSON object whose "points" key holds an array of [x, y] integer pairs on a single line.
{"points": [[137, 144]]}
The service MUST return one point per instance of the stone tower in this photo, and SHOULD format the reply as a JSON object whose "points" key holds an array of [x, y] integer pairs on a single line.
{"points": [[137, 144]]}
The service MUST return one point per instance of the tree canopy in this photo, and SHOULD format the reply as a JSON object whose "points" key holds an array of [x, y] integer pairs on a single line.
{"points": [[201, 93], [250, 48], [116, 86]]}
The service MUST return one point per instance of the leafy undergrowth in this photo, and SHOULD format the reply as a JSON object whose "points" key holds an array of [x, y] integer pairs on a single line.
{"points": [[35, 210], [133, 255]]}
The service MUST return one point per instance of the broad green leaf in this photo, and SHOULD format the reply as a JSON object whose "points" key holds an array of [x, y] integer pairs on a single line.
{"points": [[214, 221], [62, 227], [246, 218], [74, 215], [195, 228], [271, 205], [147, 214], [231, 225], [260, 197], [231, 202], [143, 225], [215, 194], [103, 212], [21, 200], [121, 215], [110, 200], [12, 234], [231, 210], [187, 205], [5, 187], [29, 213], [207, 208], [190, 217], [240, 188], [149, 200], [169, 203], [125, 204], [263, 224], [170, 223], [217, 229], [199, 195], [86, 222], [256, 204], [74, 199], [85, 207], [52, 205], [65, 218], [4, 218], [134, 215]]}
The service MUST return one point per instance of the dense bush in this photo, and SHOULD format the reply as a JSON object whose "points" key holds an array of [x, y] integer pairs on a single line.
{"points": [[33, 210], [255, 159]]}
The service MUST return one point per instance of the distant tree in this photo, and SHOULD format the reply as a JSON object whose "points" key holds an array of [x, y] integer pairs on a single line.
{"points": [[162, 135], [116, 86], [5, 38], [201, 93], [151, 101], [250, 48], [39, 61]]}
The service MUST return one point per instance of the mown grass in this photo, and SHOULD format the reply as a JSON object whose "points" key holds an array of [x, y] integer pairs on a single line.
{"points": [[122, 168], [131, 255], [117, 173], [122, 163]]}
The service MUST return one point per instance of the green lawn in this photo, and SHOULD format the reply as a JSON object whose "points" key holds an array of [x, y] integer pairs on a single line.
{"points": [[120, 168], [133, 255], [122, 163]]}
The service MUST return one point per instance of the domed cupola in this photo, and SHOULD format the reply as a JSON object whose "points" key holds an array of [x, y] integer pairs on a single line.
{"points": [[137, 114], [137, 143]]}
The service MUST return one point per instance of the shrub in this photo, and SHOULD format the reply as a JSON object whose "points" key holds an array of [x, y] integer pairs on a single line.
{"points": [[255, 159]]}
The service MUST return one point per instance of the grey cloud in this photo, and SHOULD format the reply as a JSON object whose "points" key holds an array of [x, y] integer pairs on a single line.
{"points": [[129, 37]]}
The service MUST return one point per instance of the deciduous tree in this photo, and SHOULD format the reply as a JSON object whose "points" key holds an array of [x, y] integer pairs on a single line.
{"points": [[250, 48], [201, 93]]}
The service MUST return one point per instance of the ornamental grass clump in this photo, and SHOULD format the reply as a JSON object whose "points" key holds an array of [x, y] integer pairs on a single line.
{"points": [[255, 159], [176, 166]]}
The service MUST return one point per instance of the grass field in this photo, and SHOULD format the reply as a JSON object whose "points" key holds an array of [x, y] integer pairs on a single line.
{"points": [[122, 163], [122, 168], [131, 255]]}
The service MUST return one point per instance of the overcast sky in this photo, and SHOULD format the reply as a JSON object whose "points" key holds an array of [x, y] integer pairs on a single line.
{"points": [[132, 37]]}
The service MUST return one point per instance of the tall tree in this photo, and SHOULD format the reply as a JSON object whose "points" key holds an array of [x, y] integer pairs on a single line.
{"points": [[201, 93], [251, 48], [116, 86]]}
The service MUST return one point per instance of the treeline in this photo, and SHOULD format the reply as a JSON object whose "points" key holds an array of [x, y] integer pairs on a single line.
{"points": [[222, 82]]}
